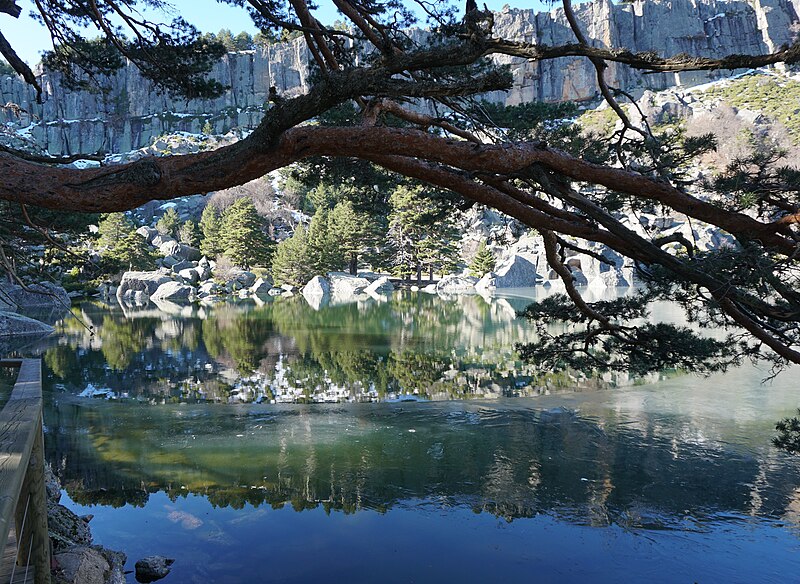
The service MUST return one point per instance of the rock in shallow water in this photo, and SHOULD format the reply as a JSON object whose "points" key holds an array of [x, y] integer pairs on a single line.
{"points": [[153, 568]]}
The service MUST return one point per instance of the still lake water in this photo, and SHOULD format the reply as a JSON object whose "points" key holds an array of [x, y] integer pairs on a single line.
{"points": [[672, 481]]}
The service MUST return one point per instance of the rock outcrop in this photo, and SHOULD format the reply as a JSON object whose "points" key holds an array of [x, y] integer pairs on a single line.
{"points": [[132, 114]]}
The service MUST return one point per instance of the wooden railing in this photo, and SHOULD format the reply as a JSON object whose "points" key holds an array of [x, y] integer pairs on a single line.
{"points": [[23, 500]]}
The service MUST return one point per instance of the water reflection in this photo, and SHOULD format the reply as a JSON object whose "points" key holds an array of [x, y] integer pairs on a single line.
{"points": [[286, 351], [509, 460]]}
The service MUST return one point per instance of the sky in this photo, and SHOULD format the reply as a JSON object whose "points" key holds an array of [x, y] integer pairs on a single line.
{"points": [[29, 38]]}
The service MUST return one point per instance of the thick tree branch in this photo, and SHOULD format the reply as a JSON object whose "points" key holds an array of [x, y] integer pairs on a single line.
{"points": [[19, 66], [646, 61]]}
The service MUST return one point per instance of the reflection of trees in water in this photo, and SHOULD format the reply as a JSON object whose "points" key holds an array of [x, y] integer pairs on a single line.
{"points": [[512, 463], [454, 348]]}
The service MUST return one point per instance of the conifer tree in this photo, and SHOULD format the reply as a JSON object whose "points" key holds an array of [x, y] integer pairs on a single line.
{"points": [[243, 237], [324, 253], [420, 233], [351, 233], [121, 247], [169, 223], [189, 234], [483, 262], [290, 265], [112, 228], [210, 225]]}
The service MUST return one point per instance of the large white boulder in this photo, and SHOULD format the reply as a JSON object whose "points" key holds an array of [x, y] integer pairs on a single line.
{"points": [[518, 271], [173, 292], [380, 286], [454, 284], [345, 285], [317, 291], [148, 233], [140, 282]]}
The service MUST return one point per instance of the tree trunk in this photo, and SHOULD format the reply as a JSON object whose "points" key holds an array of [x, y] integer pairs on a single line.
{"points": [[419, 272], [430, 273], [353, 265]]}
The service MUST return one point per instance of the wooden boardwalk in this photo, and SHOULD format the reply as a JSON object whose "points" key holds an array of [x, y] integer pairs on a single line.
{"points": [[23, 502], [7, 564]]}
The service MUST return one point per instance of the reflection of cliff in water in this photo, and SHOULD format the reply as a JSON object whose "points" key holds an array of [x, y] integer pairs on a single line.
{"points": [[507, 460], [287, 351]]}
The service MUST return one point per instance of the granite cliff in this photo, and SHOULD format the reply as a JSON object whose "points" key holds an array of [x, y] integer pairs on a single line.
{"points": [[132, 113]]}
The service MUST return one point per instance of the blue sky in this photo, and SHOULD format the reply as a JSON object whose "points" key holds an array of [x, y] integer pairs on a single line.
{"points": [[29, 38]]}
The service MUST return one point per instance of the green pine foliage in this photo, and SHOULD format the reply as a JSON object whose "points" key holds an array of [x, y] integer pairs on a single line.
{"points": [[189, 234], [483, 262], [354, 234], [121, 247], [112, 228], [243, 235], [420, 233], [169, 223], [323, 252], [290, 265], [210, 233]]}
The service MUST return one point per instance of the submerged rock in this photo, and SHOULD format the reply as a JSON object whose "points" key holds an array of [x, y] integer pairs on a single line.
{"points": [[153, 568]]}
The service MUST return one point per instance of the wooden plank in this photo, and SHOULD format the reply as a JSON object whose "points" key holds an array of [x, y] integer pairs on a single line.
{"points": [[7, 565], [20, 421]]}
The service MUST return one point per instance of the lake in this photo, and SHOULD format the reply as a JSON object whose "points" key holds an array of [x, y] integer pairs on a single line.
{"points": [[445, 458]]}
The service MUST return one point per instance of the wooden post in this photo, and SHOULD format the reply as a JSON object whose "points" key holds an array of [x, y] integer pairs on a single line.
{"points": [[34, 541]]}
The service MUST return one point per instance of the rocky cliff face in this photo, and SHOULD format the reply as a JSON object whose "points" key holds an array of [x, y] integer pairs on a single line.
{"points": [[133, 112]]}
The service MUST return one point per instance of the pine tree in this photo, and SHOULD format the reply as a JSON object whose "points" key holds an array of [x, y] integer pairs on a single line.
{"points": [[121, 247], [132, 253], [189, 234], [290, 265], [169, 223], [210, 226], [419, 233], [324, 253], [112, 229], [439, 251], [483, 262], [243, 237], [352, 233]]}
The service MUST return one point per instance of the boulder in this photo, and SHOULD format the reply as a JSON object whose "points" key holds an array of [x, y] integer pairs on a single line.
{"points": [[174, 292], [169, 261], [317, 292], [275, 292], [611, 279], [170, 248], [247, 279], [16, 325], [66, 528], [153, 568], [453, 284], [90, 565], [45, 295], [140, 281], [189, 276], [159, 240], [208, 289], [288, 288], [181, 264], [345, 285], [148, 233], [380, 286], [261, 287], [516, 272]]}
